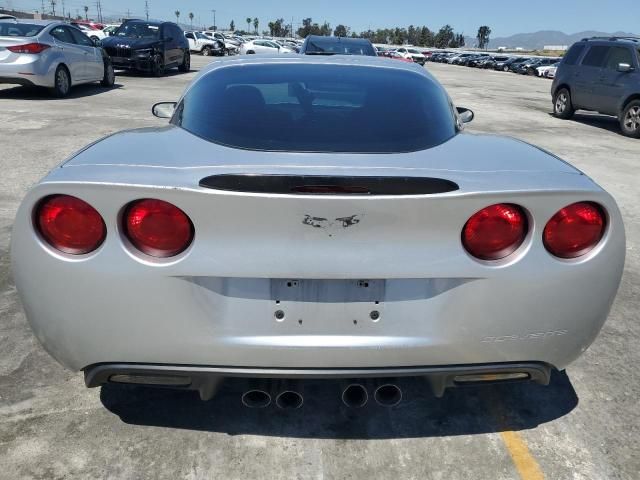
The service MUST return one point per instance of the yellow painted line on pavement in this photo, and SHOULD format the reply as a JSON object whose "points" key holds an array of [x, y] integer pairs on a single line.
{"points": [[527, 467]]}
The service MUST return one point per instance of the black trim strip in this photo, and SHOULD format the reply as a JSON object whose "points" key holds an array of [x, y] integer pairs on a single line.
{"points": [[328, 185]]}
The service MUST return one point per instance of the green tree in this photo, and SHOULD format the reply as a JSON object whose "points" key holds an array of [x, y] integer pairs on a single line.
{"points": [[426, 37], [86, 13], [191, 19], [248, 20], [177, 13], [232, 26], [341, 31], [444, 37], [256, 22], [483, 36]]}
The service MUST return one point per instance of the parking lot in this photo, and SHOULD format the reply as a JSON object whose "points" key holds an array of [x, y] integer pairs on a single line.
{"points": [[585, 425]]}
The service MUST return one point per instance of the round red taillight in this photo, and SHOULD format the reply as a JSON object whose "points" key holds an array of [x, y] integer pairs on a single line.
{"points": [[69, 224], [157, 228], [495, 231], [574, 230]]}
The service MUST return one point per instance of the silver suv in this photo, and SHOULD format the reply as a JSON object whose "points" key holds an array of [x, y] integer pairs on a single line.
{"points": [[602, 75]]}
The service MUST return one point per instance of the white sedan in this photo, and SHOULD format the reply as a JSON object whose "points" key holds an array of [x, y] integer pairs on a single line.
{"points": [[263, 46], [94, 34]]}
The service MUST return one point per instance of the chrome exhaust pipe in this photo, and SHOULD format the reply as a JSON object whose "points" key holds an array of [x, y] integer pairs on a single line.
{"points": [[257, 397], [289, 396], [354, 395], [388, 395]]}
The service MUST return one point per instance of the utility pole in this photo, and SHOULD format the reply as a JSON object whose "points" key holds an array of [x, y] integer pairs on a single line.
{"points": [[146, 8], [214, 20], [53, 7], [42, 11], [128, 13]]}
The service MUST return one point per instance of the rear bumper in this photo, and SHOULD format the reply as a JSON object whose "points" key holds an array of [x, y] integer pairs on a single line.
{"points": [[204, 378], [28, 74]]}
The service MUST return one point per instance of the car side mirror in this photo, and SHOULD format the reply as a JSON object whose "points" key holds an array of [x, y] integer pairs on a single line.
{"points": [[624, 67], [164, 109], [466, 115], [97, 42]]}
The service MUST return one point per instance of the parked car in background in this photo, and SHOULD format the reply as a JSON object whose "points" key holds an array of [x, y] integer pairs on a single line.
{"points": [[516, 64], [458, 59], [93, 33], [200, 43], [543, 70], [473, 60], [232, 47], [411, 54], [319, 45], [51, 54], [602, 75], [551, 71], [497, 62], [398, 56], [152, 47], [262, 46], [110, 29]]}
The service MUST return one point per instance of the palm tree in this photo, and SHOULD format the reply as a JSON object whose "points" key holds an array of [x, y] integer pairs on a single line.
{"points": [[248, 24], [177, 12], [256, 22], [86, 13], [191, 19]]}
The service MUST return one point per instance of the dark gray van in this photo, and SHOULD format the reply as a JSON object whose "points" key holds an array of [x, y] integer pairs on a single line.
{"points": [[602, 75]]}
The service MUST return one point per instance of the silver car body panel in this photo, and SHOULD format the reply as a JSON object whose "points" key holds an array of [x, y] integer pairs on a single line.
{"points": [[254, 254]]}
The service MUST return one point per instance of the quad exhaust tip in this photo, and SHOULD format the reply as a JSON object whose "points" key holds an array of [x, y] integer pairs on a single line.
{"points": [[388, 395], [289, 400], [355, 395], [256, 398]]}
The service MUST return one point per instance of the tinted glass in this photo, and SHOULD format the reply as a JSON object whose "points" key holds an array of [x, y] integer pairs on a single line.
{"points": [[137, 30], [333, 46], [80, 38], [619, 55], [318, 108], [62, 34], [571, 58], [595, 56], [10, 29]]}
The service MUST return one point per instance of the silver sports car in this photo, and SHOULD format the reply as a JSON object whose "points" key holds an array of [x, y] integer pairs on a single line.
{"points": [[322, 217]]}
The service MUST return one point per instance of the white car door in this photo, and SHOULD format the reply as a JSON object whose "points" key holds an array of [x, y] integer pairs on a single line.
{"points": [[74, 56], [94, 63]]}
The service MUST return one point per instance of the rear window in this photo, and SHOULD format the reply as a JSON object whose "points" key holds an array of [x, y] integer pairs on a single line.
{"points": [[318, 108], [9, 29]]}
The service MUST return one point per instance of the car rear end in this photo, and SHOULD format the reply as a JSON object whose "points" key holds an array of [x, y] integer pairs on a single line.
{"points": [[316, 249], [27, 54]]}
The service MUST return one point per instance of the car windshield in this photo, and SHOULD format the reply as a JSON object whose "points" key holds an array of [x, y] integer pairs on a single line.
{"points": [[201, 36], [138, 30], [318, 108], [332, 46], [11, 29], [411, 50]]}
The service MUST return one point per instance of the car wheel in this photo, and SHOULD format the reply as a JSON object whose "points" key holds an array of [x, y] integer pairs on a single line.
{"points": [[62, 82], [505, 68], [562, 106], [206, 51], [109, 78], [250, 52], [186, 63], [157, 66], [94, 39], [630, 119]]}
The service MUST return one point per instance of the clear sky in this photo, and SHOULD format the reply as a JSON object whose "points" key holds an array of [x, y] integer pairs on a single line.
{"points": [[503, 16]]}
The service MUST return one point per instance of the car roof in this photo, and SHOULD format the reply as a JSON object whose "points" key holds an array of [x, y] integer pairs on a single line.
{"points": [[31, 22], [612, 40], [346, 60], [146, 22]]}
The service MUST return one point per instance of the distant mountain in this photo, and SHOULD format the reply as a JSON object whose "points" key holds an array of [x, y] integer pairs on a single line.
{"points": [[537, 40]]}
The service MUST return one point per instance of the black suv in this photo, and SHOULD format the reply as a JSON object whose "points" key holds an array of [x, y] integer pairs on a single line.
{"points": [[151, 47], [602, 75]]}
